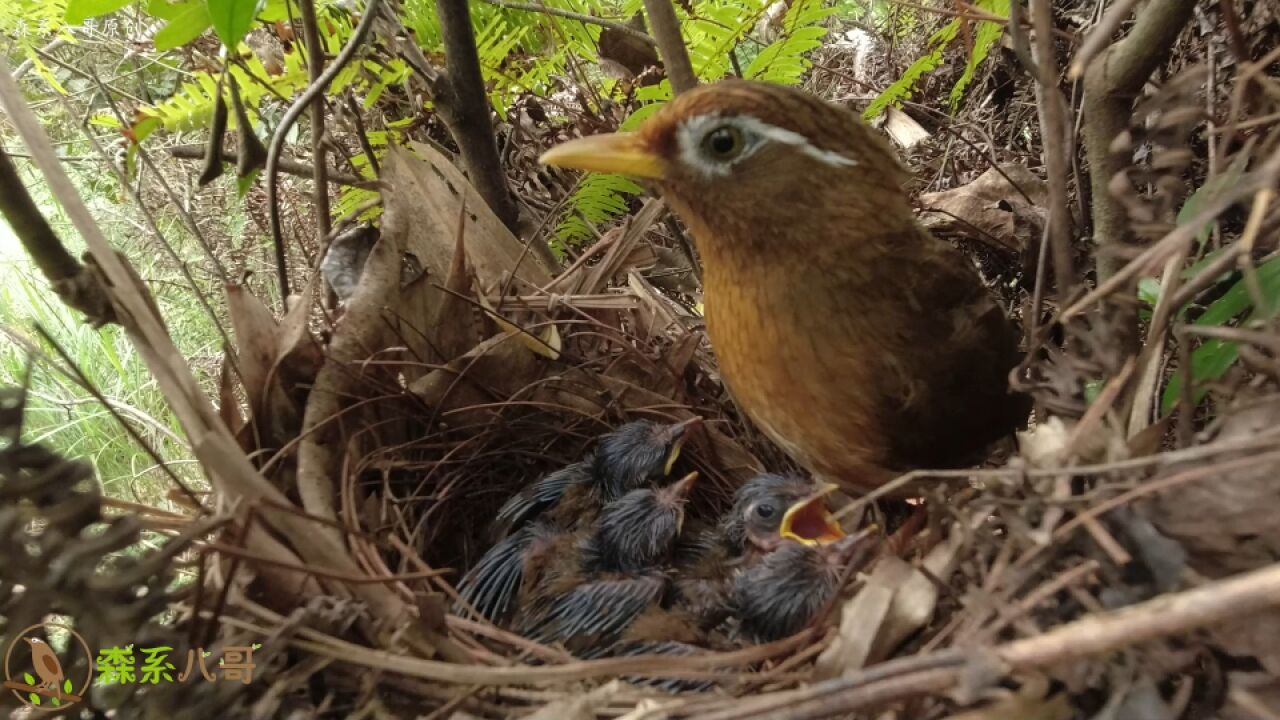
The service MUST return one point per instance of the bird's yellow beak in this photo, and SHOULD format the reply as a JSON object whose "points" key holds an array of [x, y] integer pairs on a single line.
{"points": [[679, 432], [621, 153], [810, 522]]}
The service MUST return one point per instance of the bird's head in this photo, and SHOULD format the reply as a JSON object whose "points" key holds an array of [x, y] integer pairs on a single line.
{"points": [[741, 161], [769, 507], [637, 453], [639, 530]]}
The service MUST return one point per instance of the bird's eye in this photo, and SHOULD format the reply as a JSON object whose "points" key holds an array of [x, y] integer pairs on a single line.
{"points": [[725, 142], [765, 510]]}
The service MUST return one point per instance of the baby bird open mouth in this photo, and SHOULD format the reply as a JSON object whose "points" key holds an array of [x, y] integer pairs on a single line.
{"points": [[809, 521]]}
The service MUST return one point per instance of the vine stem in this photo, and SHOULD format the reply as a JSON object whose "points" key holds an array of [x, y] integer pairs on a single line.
{"points": [[311, 94]]}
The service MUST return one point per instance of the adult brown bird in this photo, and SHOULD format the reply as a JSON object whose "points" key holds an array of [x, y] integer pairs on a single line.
{"points": [[859, 342], [634, 456]]}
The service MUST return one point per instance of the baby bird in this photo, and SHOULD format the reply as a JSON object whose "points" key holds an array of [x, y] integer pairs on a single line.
{"points": [[633, 456], [617, 576], [750, 528], [784, 591]]}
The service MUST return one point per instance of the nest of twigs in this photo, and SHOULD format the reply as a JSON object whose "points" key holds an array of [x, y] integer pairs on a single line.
{"points": [[1110, 567]]}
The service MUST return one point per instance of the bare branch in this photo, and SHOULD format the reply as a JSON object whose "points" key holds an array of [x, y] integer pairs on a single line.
{"points": [[319, 151], [1110, 85], [464, 106], [288, 166], [75, 284], [675, 57], [313, 91], [588, 19], [1100, 35], [1057, 146]]}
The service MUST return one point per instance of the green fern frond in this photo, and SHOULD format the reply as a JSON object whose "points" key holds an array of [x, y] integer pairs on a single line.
{"points": [[351, 199], [784, 61], [719, 27], [906, 85], [599, 198], [29, 24], [985, 39], [191, 105]]}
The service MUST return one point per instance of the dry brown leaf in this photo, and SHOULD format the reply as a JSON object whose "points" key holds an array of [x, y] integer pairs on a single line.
{"points": [[1030, 702], [492, 371], [454, 320], [423, 185], [545, 343], [1227, 524], [896, 601], [256, 336], [228, 404], [1002, 216], [861, 619]]}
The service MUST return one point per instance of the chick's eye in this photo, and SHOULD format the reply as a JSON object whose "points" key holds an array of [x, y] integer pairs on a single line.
{"points": [[724, 143], [765, 510]]}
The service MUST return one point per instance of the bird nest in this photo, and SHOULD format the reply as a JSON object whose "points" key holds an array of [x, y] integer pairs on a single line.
{"points": [[1079, 576]]}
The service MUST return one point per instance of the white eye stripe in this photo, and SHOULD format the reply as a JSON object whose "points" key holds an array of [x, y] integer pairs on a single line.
{"points": [[689, 138]]}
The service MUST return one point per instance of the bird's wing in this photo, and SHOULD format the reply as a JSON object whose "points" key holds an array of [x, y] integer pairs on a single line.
{"points": [[947, 384], [595, 613], [493, 585], [540, 496]]}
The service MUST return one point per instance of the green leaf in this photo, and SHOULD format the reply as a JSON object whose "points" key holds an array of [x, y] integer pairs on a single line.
{"points": [[80, 10], [1149, 291], [273, 10], [66, 686], [1208, 192], [985, 39], [29, 678], [33, 698], [232, 19], [1214, 357], [244, 183], [186, 25], [1092, 388]]}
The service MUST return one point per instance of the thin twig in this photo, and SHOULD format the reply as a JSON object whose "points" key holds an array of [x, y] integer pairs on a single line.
{"points": [[1100, 36], [319, 146], [675, 57], [588, 19], [1057, 148], [291, 116], [289, 166]]}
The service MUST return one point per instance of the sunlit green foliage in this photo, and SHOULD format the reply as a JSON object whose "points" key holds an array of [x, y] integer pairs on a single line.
{"points": [[987, 35]]}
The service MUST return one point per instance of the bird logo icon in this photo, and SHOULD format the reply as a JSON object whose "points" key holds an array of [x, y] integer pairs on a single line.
{"points": [[46, 663], [45, 686]]}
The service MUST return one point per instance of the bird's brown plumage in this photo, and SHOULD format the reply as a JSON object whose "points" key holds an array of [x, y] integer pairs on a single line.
{"points": [[859, 342]]}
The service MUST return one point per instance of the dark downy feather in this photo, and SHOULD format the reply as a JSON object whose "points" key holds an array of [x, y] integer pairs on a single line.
{"points": [[539, 497], [594, 614], [493, 586], [635, 533], [783, 593]]}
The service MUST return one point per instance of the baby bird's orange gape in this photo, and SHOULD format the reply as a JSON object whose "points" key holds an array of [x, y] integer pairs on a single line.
{"points": [[860, 343]]}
